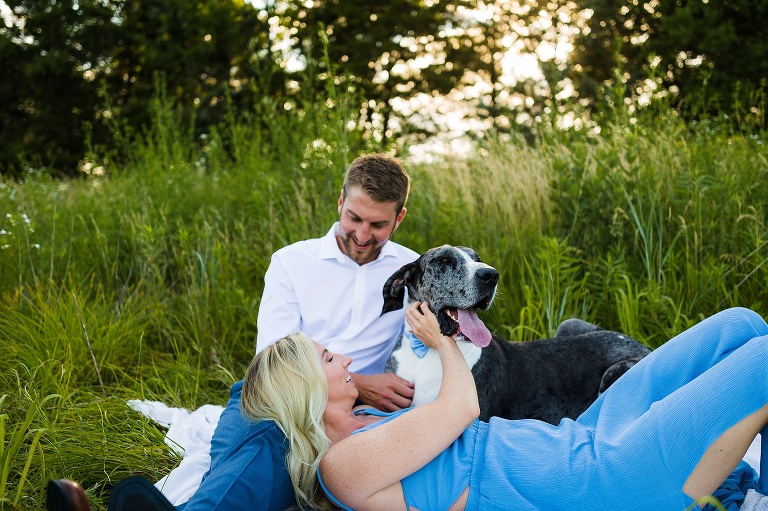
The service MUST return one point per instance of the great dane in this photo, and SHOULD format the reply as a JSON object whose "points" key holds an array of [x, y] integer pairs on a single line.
{"points": [[546, 379]]}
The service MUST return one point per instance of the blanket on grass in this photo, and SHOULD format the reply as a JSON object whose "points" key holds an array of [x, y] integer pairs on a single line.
{"points": [[189, 434]]}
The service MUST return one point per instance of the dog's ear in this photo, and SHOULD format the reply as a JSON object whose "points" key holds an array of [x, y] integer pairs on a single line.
{"points": [[394, 288]]}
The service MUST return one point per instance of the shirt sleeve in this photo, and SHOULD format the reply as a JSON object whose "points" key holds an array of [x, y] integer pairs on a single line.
{"points": [[253, 478], [279, 313], [248, 471]]}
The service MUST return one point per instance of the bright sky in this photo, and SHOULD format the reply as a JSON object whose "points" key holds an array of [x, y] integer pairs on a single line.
{"points": [[5, 11]]}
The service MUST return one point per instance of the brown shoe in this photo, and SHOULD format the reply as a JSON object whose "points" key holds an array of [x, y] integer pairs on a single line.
{"points": [[66, 495]]}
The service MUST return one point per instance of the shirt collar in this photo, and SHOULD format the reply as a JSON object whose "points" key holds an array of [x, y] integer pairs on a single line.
{"points": [[329, 249]]}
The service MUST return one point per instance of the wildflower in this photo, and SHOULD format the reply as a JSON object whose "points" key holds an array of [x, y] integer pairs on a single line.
{"points": [[3, 231], [37, 245]]}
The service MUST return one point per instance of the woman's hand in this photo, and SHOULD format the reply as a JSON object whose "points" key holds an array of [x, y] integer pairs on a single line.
{"points": [[424, 325], [411, 440]]}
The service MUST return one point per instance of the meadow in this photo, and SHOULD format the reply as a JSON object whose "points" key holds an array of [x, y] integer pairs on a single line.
{"points": [[144, 281]]}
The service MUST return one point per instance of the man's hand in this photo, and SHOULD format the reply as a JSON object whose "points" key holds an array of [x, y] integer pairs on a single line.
{"points": [[387, 392]]}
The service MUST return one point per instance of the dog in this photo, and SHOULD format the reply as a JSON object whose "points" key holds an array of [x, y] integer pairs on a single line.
{"points": [[546, 379]]}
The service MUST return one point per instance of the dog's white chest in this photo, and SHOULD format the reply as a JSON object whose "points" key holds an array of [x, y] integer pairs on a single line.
{"points": [[426, 372]]}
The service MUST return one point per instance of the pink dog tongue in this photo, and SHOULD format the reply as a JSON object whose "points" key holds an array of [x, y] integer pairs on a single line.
{"points": [[473, 329]]}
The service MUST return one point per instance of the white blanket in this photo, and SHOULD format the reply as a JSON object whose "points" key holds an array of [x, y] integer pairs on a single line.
{"points": [[190, 433]]}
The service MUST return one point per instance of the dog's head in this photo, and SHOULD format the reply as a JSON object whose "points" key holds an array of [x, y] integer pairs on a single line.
{"points": [[454, 282]]}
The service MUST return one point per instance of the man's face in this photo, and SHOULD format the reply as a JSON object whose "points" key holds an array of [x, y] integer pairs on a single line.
{"points": [[365, 225]]}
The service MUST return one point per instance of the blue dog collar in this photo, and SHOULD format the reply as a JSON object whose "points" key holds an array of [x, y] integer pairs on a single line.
{"points": [[419, 348]]}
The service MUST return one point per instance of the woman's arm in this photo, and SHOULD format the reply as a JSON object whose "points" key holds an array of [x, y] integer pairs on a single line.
{"points": [[364, 471]]}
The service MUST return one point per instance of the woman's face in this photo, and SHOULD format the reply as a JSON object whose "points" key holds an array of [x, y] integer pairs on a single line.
{"points": [[336, 368]]}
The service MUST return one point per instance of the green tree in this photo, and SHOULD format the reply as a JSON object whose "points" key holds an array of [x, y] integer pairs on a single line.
{"points": [[393, 51], [207, 53], [69, 66], [384, 50], [497, 32], [48, 94], [696, 49]]}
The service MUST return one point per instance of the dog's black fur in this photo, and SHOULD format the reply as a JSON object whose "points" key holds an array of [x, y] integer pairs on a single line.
{"points": [[546, 379]]}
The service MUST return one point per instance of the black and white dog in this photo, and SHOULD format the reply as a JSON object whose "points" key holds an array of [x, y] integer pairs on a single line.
{"points": [[546, 379]]}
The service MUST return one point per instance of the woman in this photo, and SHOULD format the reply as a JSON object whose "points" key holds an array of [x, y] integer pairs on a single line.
{"points": [[668, 432]]}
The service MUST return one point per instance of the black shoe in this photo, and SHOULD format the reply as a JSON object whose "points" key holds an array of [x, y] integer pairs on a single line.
{"points": [[137, 494], [66, 495]]}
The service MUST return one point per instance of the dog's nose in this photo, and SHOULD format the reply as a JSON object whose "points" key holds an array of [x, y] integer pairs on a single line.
{"points": [[488, 275]]}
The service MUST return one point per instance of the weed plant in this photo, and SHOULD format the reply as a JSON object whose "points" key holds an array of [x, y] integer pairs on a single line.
{"points": [[144, 282]]}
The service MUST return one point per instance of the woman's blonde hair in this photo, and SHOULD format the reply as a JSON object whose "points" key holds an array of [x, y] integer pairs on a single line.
{"points": [[285, 383]]}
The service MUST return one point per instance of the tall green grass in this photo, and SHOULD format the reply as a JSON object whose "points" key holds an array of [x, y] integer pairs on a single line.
{"points": [[145, 282]]}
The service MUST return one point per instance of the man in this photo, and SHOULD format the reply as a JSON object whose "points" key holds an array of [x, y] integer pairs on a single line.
{"points": [[331, 289]]}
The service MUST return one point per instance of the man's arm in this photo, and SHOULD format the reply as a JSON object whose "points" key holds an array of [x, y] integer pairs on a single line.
{"points": [[279, 313], [387, 391]]}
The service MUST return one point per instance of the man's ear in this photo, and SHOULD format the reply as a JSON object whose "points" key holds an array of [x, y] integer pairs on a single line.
{"points": [[341, 200], [394, 288], [399, 218]]}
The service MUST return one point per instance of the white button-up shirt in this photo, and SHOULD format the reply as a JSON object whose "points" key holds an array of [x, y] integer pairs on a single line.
{"points": [[313, 287]]}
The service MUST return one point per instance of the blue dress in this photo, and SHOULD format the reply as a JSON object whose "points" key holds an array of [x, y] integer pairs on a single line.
{"points": [[632, 449]]}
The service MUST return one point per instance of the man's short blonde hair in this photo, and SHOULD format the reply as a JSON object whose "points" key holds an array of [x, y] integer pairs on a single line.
{"points": [[382, 177]]}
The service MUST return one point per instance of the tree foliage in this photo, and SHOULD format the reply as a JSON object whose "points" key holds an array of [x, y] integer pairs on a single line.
{"points": [[47, 96], [204, 51], [72, 66], [695, 49], [76, 72], [385, 50]]}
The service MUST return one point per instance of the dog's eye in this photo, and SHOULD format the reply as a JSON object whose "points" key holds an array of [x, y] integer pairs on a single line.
{"points": [[445, 260]]}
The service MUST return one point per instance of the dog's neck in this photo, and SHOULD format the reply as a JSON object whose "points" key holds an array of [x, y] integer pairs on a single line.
{"points": [[426, 371]]}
